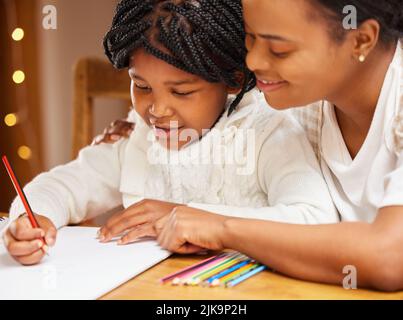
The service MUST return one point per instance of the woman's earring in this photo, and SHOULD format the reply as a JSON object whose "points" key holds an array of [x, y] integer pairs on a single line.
{"points": [[362, 58]]}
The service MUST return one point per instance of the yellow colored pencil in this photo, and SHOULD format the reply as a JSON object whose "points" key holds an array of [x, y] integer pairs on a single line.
{"points": [[186, 279], [196, 279], [235, 274]]}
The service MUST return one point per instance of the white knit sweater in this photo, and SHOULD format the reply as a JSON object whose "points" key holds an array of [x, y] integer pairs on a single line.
{"points": [[281, 181]]}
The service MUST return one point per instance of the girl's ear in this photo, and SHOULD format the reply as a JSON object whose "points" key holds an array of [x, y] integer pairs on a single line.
{"points": [[240, 78]]}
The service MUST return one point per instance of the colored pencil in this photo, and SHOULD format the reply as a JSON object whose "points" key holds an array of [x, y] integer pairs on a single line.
{"points": [[223, 273], [24, 200], [195, 280], [190, 279], [236, 274], [181, 279], [224, 259], [178, 273], [245, 276]]}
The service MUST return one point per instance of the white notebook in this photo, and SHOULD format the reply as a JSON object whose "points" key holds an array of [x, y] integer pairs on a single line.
{"points": [[78, 267]]}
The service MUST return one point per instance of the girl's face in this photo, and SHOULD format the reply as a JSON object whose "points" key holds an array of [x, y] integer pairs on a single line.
{"points": [[292, 54], [176, 104]]}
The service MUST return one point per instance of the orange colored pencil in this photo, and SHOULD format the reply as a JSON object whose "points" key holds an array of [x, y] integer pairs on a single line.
{"points": [[24, 200]]}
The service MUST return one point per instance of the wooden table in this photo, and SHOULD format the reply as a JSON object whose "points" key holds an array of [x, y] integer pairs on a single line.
{"points": [[266, 285]]}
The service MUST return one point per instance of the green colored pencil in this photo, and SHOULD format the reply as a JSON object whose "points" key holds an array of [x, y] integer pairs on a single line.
{"points": [[197, 278]]}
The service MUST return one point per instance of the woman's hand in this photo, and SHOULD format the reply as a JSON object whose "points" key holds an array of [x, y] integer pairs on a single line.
{"points": [[116, 130], [188, 230], [136, 221], [25, 244]]}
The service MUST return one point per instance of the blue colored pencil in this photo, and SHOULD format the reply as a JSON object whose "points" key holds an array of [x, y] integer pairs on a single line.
{"points": [[246, 276], [227, 271]]}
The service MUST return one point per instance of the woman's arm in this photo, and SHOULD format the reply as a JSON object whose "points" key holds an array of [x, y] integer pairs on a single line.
{"points": [[309, 252], [117, 130], [319, 253]]}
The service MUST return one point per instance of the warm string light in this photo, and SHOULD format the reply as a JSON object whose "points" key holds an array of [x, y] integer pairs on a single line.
{"points": [[11, 120], [18, 77], [24, 152], [18, 34]]}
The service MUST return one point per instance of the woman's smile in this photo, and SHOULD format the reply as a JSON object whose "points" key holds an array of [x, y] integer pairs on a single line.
{"points": [[270, 85]]}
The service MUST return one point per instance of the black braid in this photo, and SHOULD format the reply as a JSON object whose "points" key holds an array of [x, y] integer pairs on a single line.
{"points": [[202, 37]]}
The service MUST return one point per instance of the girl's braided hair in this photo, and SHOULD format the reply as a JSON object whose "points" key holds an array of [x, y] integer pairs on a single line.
{"points": [[202, 37]]}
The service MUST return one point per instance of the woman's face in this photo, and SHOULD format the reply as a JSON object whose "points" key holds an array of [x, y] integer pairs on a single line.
{"points": [[292, 54], [179, 106]]}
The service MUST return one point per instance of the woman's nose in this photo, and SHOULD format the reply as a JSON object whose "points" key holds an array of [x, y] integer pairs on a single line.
{"points": [[257, 61]]}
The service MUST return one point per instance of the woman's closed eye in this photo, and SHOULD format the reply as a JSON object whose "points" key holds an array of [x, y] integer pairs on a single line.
{"points": [[280, 54], [142, 87]]}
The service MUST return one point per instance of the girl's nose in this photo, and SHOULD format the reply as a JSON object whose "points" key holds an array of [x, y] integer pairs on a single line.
{"points": [[160, 110]]}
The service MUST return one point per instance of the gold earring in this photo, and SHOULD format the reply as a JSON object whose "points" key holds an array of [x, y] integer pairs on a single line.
{"points": [[362, 58]]}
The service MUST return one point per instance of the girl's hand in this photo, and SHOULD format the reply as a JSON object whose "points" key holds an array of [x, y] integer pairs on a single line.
{"points": [[24, 243], [188, 230], [137, 220], [116, 130]]}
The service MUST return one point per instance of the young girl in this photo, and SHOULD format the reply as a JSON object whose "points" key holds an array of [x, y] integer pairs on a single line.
{"points": [[357, 125], [183, 83]]}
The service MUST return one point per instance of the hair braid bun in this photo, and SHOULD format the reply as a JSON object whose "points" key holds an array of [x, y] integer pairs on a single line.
{"points": [[202, 37]]}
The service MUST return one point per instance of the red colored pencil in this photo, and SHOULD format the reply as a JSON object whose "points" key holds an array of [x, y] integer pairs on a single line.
{"points": [[24, 200]]}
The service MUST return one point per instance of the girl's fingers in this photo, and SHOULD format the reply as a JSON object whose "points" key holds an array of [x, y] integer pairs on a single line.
{"points": [[109, 223], [188, 248], [121, 222], [23, 248], [22, 231], [125, 224], [145, 230], [7, 238], [135, 209], [31, 259], [50, 236]]}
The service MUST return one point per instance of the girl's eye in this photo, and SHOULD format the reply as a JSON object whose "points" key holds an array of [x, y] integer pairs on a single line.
{"points": [[182, 93]]}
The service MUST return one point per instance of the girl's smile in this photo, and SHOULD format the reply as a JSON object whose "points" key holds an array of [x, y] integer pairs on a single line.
{"points": [[167, 133]]}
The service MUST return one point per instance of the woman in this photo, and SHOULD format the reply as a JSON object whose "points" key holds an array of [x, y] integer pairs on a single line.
{"points": [[351, 84], [357, 77]]}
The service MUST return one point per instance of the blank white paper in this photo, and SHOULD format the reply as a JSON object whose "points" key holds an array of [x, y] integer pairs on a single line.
{"points": [[78, 267]]}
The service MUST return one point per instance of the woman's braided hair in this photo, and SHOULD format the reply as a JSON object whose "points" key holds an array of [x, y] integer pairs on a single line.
{"points": [[202, 37]]}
